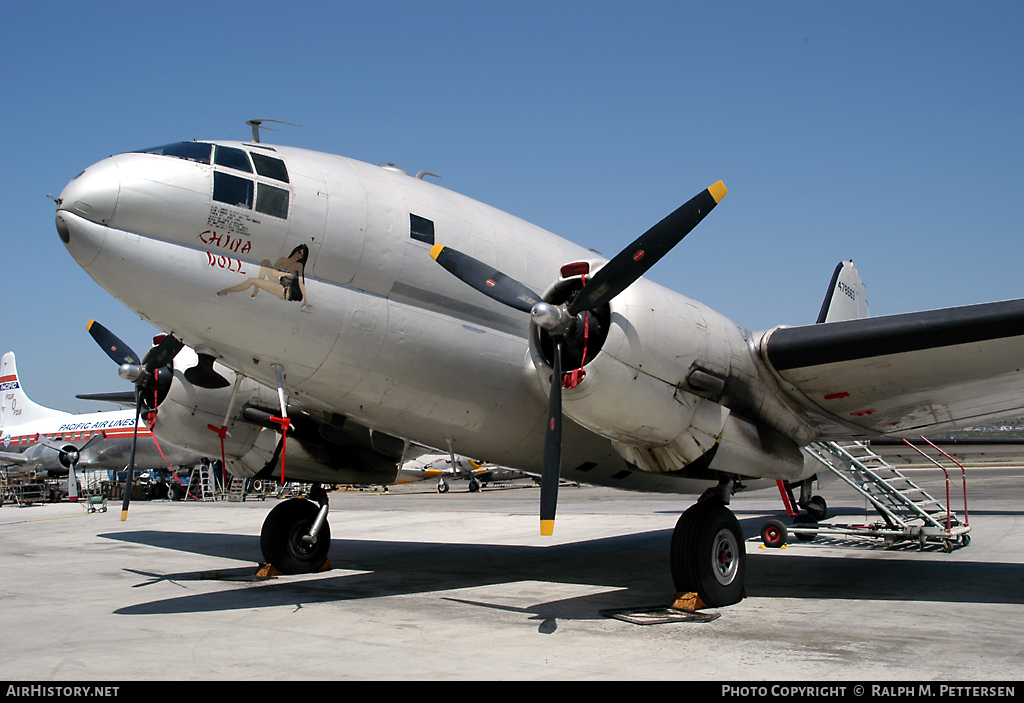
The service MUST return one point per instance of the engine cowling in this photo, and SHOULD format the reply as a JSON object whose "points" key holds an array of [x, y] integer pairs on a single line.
{"points": [[674, 386]]}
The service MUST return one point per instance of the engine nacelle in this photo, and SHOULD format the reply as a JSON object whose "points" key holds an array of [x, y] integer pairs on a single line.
{"points": [[677, 389], [317, 450], [187, 412]]}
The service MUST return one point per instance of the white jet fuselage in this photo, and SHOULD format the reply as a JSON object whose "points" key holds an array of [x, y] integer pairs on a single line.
{"points": [[327, 272]]}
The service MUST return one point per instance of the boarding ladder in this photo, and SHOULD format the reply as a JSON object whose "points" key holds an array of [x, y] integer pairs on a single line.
{"points": [[236, 491], [206, 483], [908, 510]]}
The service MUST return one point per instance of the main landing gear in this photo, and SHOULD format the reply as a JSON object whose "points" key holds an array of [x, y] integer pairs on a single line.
{"points": [[707, 554], [296, 537]]}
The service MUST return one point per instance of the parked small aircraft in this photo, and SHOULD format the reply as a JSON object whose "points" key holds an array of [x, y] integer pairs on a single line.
{"points": [[349, 288], [440, 467]]}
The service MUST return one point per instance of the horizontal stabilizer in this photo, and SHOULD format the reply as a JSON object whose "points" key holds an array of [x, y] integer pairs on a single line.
{"points": [[125, 398]]}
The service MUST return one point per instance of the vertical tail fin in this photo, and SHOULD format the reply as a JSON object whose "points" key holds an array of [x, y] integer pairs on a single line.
{"points": [[15, 407], [846, 298]]}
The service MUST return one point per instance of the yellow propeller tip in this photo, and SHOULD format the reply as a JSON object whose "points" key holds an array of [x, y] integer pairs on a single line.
{"points": [[124, 515], [436, 251], [547, 528], [718, 191]]}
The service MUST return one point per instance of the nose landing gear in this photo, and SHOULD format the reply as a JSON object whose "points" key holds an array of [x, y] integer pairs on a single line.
{"points": [[296, 538]]}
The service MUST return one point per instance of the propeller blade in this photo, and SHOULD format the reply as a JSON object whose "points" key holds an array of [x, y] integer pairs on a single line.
{"points": [[47, 442], [552, 447], [633, 262], [131, 462], [489, 281], [72, 484], [203, 375], [162, 354], [117, 350]]}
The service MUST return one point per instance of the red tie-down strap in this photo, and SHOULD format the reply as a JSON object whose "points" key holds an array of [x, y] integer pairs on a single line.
{"points": [[284, 423], [576, 376], [150, 419], [221, 432]]}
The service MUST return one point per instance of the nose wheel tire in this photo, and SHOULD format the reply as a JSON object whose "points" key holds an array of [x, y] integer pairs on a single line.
{"points": [[708, 556], [817, 508], [281, 538]]}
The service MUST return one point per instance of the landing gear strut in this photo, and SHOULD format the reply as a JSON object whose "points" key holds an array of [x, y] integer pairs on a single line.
{"points": [[707, 554], [296, 537]]}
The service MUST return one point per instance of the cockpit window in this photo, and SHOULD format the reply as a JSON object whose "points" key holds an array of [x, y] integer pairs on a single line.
{"points": [[271, 200], [232, 158], [192, 151], [232, 190], [270, 167]]}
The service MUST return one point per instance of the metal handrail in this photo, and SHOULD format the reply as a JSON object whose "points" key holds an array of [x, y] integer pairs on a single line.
{"points": [[967, 520]]}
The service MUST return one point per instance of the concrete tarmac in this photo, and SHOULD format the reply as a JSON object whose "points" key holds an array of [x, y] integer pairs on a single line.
{"points": [[461, 586]]}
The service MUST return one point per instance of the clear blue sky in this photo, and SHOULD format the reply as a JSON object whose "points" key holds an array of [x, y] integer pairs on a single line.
{"points": [[886, 132]]}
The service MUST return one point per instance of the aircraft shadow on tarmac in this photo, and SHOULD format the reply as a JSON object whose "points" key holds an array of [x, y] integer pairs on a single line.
{"points": [[631, 570]]}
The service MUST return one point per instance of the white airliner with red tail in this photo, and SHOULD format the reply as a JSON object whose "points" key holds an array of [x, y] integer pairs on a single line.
{"points": [[52, 442]]}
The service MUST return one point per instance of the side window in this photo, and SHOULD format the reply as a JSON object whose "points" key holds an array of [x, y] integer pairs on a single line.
{"points": [[232, 158], [270, 167], [232, 189], [271, 200], [421, 229]]}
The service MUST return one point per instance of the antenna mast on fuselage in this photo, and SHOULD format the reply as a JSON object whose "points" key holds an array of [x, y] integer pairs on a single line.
{"points": [[255, 124]]}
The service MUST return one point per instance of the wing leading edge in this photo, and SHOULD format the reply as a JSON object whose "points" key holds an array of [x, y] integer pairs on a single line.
{"points": [[904, 374]]}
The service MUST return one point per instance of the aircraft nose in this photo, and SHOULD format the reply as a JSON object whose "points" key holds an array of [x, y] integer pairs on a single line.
{"points": [[85, 208], [93, 193]]}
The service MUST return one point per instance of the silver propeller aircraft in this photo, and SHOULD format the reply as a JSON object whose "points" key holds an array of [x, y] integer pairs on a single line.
{"points": [[388, 311]]}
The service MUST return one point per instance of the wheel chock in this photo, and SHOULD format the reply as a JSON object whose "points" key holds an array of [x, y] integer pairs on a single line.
{"points": [[268, 570], [688, 602]]}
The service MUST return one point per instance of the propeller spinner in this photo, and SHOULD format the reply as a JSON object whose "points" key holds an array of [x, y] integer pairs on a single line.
{"points": [[559, 320]]}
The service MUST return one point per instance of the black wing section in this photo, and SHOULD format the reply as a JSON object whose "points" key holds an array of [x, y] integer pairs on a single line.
{"points": [[939, 369]]}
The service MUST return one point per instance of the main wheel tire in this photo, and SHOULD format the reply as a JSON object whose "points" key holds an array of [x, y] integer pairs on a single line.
{"points": [[817, 508], [805, 520], [281, 538], [708, 556], [774, 533]]}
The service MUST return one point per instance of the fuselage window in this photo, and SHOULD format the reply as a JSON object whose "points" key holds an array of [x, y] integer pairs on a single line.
{"points": [[232, 190], [270, 167], [421, 229], [271, 200], [232, 158], [192, 151]]}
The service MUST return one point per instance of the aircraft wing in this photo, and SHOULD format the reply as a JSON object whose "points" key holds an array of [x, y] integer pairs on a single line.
{"points": [[9, 458], [904, 375]]}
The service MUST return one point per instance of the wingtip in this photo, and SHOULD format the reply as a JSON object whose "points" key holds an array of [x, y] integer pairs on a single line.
{"points": [[718, 191]]}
